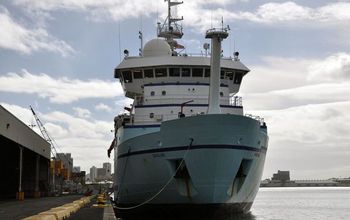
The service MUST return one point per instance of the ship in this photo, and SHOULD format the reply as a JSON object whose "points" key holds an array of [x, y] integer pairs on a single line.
{"points": [[185, 146]]}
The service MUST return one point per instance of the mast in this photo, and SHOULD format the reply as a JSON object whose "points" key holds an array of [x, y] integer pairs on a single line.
{"points": [[216, 35], [171, 29]]}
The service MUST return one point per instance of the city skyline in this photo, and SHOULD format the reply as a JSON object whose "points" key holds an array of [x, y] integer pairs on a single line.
{"points": [[59, 57]]}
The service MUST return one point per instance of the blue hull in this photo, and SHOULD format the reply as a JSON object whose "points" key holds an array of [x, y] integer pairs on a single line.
{"points": [[201, 161]]}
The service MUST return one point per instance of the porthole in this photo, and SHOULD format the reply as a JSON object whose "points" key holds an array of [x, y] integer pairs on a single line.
{"points": [[152, 93]]}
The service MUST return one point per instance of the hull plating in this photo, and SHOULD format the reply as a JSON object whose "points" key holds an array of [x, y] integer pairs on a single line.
{"points": [[207, 160]]}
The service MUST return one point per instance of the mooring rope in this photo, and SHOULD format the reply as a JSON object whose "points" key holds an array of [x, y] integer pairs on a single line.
{"points": [[163, 188]]}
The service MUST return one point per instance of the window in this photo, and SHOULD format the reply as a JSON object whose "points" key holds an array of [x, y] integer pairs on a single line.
{"points": [[229, 75], [222, 74], [197, 72], [152, 93], [151, 115], [163, 92], [207, 72], [161, 72], [148, 73], [127, 76], [138, 74], [221, 94], [186, 72], [174, 72], [238, 78]]}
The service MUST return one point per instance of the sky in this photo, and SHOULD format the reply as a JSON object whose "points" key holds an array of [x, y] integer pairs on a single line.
{"points": [[59, 57]]}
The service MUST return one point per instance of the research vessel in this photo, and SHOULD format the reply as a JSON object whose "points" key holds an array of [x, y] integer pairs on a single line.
{"points": [[185, 147]]}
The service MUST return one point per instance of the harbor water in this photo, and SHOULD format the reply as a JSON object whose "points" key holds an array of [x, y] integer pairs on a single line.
{"points": [[301, 203], [298, 203]]}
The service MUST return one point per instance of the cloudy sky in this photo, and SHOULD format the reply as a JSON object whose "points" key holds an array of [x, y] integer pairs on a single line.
{"points": [[59, 55]]}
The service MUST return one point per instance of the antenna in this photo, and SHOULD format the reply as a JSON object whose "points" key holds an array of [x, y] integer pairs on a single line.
{"points": [[230, 40], [170, 29], [141, 46], [120, 54]]}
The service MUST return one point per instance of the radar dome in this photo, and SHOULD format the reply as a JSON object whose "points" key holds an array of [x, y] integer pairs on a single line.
{"points": [[156, 47]]}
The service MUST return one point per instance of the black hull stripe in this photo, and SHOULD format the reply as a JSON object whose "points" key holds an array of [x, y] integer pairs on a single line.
{"points": [[194, 147], [142, 126], [181, 84], [188, 105]]}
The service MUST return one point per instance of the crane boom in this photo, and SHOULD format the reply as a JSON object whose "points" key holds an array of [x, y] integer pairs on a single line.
{"points": [[45, 134]]}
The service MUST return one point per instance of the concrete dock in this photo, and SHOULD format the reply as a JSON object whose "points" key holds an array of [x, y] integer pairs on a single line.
{"points": [[31, 208]]}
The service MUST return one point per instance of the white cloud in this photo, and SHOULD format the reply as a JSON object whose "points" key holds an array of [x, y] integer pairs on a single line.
{"points": [[286, 82], [98, 10], [305, 103], [87, 139], [82, 112], [316, 135], [335, 67], [292, 12], [310, 94], [60, 90], [276, 73], [103, 107], [55, 130], [80, 127], [199, 14], [15, 36], [311, 123], [196, 12], [277, 12]]}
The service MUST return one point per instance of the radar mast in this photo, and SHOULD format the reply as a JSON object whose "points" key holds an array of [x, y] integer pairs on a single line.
{"points": [[171, 29]]}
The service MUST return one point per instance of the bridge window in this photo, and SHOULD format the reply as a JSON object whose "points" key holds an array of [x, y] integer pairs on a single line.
{"points": [[197, 72], [186, 72], [138, 74], [229, 75], [222, 74], [175, 72], [148, 73], [127, 76], [207, 72], [238, 78], [161, 72]]}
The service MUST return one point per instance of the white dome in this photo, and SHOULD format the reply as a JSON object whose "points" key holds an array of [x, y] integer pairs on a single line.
{"points": [[156, 47]]}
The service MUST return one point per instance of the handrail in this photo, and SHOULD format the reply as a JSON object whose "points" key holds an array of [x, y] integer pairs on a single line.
{"points": [[255, 117]]}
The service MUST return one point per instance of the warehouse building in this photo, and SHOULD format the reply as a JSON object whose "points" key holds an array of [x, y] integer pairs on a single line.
{"points": [[24, 159]]}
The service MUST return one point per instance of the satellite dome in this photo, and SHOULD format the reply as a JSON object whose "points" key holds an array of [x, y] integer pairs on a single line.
{"points": [[156, 47]]}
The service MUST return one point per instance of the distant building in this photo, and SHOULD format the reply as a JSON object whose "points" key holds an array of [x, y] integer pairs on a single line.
{"points": [[76, 169], [108, 167], [67, 161], [87, 177], [101, 173], [79, 177], [93, 173], [282, 176]]}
